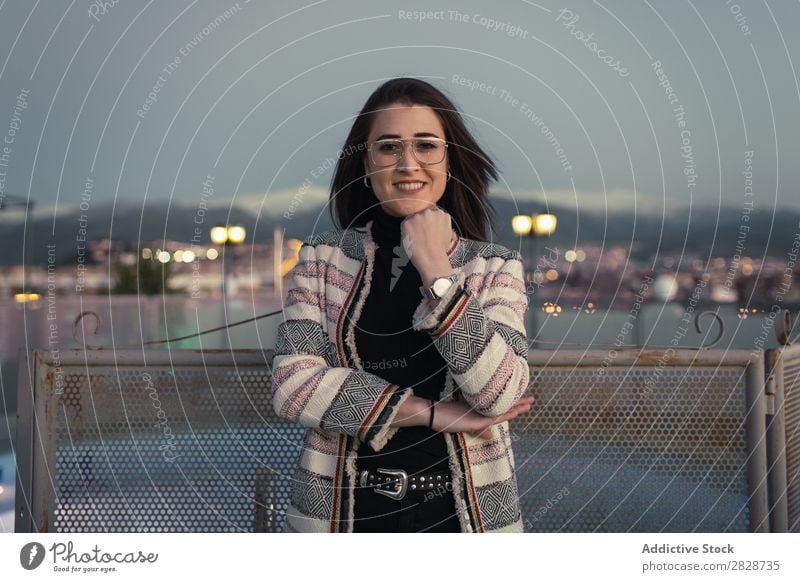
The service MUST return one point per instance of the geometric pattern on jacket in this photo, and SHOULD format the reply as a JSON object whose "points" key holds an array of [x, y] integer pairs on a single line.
{"points": [[481, 338]]}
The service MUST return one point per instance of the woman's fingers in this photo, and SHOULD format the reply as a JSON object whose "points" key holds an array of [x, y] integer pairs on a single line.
{"points": [[523, 405], [485, 433], [527, 403], [519, 408]]}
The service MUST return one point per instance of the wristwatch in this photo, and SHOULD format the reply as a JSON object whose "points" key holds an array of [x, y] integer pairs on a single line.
{"points": [[439, 287]]}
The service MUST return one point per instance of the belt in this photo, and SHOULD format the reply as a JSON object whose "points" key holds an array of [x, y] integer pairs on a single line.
{"points": [[395, 483]]}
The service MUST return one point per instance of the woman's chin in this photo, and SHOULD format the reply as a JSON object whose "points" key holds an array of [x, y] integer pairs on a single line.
{"points": [[406, 207]]}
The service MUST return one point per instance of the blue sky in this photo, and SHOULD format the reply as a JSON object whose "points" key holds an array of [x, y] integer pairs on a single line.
{"points": [[568, 98]]}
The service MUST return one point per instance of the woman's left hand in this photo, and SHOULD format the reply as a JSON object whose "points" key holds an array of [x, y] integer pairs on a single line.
{"points": [[427, 238], [457, 416]]}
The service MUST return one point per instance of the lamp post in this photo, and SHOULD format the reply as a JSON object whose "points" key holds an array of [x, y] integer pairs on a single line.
{"points": [[13, 200], [226, 236], [531, 227]]}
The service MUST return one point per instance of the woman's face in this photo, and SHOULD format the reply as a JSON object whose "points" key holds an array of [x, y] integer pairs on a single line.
{"points": [[407, 186]]}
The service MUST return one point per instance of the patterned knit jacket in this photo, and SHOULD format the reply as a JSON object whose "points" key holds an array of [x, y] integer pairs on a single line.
{"points": [[482, 338]]}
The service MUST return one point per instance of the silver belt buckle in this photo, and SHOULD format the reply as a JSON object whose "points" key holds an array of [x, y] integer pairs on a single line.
{"points": [[403, 483]]}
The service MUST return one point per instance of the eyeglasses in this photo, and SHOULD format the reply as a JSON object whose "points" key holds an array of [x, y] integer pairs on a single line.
{"points": [[426, 150]]}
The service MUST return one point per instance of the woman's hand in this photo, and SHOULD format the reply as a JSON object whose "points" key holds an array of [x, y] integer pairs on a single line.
{"points": [[427, 238], [457, 416], [454, 415]]}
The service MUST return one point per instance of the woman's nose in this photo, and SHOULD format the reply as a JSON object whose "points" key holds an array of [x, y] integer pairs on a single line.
{"points": [[408, 161]]}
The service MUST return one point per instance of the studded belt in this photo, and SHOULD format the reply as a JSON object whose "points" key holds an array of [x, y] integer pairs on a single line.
{"points": [[395, 483]]}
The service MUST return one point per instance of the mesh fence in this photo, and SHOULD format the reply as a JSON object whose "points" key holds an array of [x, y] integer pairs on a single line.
{"points": [[187, 441], [188, 448], [615, 454]]}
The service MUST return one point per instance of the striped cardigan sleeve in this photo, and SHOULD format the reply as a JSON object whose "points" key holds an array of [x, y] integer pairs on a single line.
{"points": [[307, 385], [482, 337]]}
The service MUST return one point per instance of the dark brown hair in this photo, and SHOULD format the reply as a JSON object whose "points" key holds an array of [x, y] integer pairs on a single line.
{"points": [[465, 196]]}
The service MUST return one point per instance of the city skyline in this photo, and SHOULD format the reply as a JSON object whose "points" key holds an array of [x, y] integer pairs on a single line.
{"points": [[144, 103]]}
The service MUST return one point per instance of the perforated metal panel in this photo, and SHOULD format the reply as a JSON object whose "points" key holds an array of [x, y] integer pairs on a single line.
{"points": [[641, 448], [158, 448], [188, 442], [791, 390]]}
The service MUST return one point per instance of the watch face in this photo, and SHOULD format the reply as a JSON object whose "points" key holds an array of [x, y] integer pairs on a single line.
{"points": [[440, 286]]}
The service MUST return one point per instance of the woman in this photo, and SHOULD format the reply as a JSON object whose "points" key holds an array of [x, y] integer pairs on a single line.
{"points": [[403, 349]]}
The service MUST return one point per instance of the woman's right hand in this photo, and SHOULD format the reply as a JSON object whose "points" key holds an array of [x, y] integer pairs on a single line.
{"points": [[457, 416]]}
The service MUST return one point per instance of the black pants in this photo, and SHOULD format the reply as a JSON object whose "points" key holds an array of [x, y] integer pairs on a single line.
{"points": [[432, 511]]}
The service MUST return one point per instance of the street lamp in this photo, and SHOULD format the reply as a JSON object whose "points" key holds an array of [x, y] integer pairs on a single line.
{"points": [[544, 224], [12, 200], [531, 227], [226, 235], [219, 235], [522, 224]]}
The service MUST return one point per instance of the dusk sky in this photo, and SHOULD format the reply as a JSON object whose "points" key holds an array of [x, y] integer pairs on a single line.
{"points": [[592, 104]]}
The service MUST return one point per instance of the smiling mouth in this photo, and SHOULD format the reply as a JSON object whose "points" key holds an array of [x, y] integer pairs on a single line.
{"points": [[409, 186]]}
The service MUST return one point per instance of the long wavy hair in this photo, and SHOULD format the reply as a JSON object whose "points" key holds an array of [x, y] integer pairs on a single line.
{"points": [[466, 193]]}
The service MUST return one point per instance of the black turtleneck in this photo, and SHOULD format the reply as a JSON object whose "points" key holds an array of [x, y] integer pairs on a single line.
{"points": [[388, 347]]}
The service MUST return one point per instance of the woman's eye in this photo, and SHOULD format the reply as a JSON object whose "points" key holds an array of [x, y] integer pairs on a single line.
{"points": [[387, 147], [427, 145]]}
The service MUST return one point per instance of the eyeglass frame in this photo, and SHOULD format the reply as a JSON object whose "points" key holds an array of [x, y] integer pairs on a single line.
{"points": [[402, 153]]}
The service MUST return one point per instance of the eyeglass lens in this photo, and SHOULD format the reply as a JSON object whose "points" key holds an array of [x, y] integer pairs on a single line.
{"points": [[390, 151]]}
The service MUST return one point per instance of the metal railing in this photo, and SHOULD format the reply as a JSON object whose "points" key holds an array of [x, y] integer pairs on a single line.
{"points": [[644, 441], [619, 440], [783, 435]]}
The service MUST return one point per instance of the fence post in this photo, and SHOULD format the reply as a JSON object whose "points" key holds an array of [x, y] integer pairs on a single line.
{"points": [[24, 453], [755, 436], [776, 443]]}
